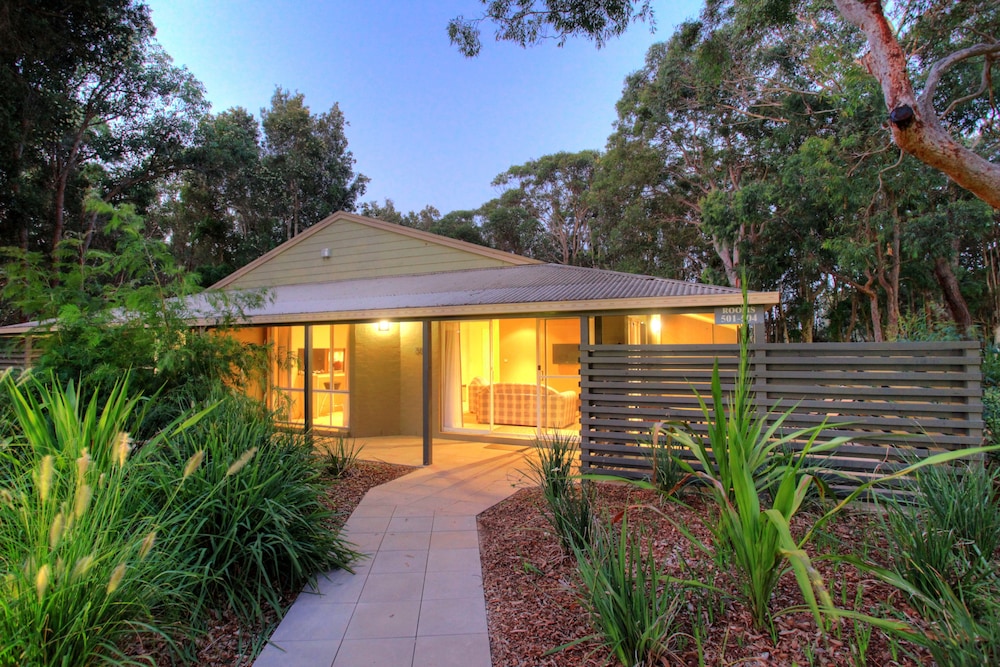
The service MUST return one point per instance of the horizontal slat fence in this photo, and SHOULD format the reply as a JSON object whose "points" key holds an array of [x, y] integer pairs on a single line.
{"points": [[16, 353], [897, 401]]}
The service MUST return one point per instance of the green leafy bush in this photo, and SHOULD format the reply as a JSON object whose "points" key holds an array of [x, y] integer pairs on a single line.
{"points": [[106, 315], [250, 517], [991, 414]]}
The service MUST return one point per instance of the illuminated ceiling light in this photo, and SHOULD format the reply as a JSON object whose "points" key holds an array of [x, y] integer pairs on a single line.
{"points": [[654, 324], [383, 325]]}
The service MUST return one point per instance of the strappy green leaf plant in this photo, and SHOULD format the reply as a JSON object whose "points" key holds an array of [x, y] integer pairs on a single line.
{"points": [[759, 474], [632, 603]]}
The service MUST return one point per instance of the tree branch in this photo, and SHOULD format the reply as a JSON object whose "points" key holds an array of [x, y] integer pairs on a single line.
{"points": [[916, 127], [943, 65]]}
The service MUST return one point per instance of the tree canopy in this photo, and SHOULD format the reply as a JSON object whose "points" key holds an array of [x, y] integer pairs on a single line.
{"points": [[934, 61]]}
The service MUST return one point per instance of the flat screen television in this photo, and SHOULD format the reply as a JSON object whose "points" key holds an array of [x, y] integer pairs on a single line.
{"points": [[565, 353]]}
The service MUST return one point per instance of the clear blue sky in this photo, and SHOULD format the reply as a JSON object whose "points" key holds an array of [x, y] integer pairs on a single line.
{"points": [[426, 125]]}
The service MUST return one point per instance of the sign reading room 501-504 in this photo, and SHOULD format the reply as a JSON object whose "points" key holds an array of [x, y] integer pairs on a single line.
{"points": [[734, 315]]}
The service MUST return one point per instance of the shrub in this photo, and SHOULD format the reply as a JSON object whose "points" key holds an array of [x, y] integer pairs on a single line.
{"points": [[250, 518], [631, 602], [945, 539], [991, 414]]}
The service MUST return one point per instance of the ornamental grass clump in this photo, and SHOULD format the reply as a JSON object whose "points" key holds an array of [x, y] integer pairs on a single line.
{"points": [[632, 603], [341, 455], [949, 531], [82, 567], [943, 544], [666, 474], [569, 503], [250, 518]]}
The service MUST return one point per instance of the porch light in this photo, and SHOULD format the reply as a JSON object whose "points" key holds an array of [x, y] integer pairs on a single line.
{"points": [[654, 324], [383, 325]]}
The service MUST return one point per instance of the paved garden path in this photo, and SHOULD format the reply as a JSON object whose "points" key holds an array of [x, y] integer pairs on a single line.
{"points": [[417, 600]]}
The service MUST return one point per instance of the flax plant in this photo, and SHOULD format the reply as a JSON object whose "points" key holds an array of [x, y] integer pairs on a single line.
{"points": [[758, 476], [569, 503]]}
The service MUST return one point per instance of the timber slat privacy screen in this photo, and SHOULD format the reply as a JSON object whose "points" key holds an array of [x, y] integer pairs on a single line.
{"points": [[898, 401]]}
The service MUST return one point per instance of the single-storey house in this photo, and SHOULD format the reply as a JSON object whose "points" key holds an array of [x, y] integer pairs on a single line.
{"points": [[378, 329]]}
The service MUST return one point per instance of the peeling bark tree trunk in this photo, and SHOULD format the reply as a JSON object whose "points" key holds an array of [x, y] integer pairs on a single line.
{"points": [[921, 136]]}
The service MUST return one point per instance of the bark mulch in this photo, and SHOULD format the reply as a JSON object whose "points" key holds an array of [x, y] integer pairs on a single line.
{"points": [[534, 606]]}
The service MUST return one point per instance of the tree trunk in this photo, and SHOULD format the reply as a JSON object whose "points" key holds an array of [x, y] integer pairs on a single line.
{"points": [[957, 306], [922, 137], [876, 315]]}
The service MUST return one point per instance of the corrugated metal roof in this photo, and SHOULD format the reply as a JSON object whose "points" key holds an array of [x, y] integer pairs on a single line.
{"points": [[549, 287]]}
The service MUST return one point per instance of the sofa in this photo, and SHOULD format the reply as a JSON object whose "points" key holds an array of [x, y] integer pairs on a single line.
{"points": [[516, 404]]}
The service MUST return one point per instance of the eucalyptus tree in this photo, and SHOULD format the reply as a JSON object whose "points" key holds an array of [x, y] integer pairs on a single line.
{"points": [[89, 101], [714, 106], [307, 164], [507, 225], [213, 214], [931, 58], [555, 190]]}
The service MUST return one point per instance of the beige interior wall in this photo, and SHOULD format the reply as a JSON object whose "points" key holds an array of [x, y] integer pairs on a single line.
{"points": [[517, 351], [562, 331], [613, 330], [251, 336], [690, 329], [376, 381]]}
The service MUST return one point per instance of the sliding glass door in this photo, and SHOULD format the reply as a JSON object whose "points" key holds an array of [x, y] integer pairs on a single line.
{"points": [[515, 377]]}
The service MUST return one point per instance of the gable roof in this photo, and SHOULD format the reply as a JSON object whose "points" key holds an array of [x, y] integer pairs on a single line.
{"points": [[515, 290], [345, 245]]}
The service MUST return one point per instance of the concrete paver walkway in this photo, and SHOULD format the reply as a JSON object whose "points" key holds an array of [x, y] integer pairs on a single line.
{"points": [[417, 601]]}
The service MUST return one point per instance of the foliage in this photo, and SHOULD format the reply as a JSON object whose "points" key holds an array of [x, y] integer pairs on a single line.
{"points": [[570, 505], [555, 190], [310, 171], [341, 454], [738, 461], [946, 538], [91, 103], [105, 315], [667, 476], [634, 605], [528, 23], [82, 559], [991, 414], [249, 517]]}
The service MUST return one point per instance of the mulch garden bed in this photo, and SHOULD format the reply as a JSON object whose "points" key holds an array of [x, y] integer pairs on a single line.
{"points": [[534, 606]]}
